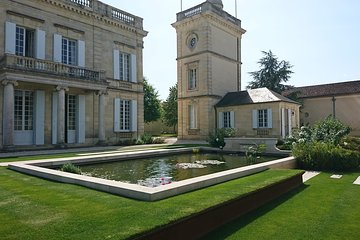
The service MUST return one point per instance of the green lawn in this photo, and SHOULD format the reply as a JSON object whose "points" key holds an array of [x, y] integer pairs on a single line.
{"points": [[324, 208], [34, 208]]}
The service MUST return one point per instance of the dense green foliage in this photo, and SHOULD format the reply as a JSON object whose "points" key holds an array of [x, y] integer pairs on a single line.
{"points": [[324, 208], [70, 168], [149, 139], [322, 147], [217, 137], [34, 208], [272, 73], [325, 156], [253, 153], [170, 106], [152, 106]]}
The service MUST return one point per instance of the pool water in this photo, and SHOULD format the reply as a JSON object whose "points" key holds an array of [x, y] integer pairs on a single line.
{"points": [[132, 171]]}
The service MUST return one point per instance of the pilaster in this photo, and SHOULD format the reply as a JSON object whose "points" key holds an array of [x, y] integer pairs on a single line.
{"points": [[61, 116]]}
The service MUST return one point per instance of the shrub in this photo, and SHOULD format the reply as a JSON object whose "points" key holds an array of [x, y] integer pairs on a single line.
{"points": [[158, 140], [70, 168], [325, 156], [217, 138], [254, 152], [330, 130], [351, 143], [145, 139]]}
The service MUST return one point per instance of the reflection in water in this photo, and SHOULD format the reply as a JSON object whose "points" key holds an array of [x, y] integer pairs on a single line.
{"points": [[165, 166]]}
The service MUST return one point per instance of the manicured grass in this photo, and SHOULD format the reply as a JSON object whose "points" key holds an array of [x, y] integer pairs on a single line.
{"points": [[34, 208], [324, 208]]}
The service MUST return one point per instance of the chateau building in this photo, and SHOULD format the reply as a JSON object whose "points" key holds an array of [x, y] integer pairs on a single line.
{"points": [[209, 80], [70, 73]]}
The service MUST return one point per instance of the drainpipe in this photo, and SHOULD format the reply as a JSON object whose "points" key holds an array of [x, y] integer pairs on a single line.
{"points": [[334, 106]]}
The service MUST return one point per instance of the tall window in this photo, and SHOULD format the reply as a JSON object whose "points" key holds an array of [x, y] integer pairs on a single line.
{"points": [[193, 119], [125, 115], [227, 120], [192, 79], [68, 51], [71, 112], [124, 64], [24, 42], [23, 110], [263, 118]]}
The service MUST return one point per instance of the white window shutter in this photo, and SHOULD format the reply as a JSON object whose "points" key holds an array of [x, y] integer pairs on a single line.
{"points": [[10, 37], [221, 120], [116, 64], [80, 119], [254, 118], [117, 115], [133, 77], [54, 117], [232, 119], [81, 53], [290, 121], [270, 120], [39, 117], [134, 114], [57, 48], [40, 44]]}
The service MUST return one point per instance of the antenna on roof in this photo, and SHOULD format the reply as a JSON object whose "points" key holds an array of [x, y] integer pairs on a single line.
{"points": [[236, 8], [180, 5]]}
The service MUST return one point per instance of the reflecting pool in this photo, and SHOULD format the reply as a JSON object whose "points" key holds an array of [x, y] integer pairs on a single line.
{"points": [[167, 167]]}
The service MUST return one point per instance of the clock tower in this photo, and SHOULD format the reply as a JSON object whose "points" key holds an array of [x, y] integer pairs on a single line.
{"points": [[208, 65]]}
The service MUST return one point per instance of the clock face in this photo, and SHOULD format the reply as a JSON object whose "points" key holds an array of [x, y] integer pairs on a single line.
{"points": [[192, 41]]}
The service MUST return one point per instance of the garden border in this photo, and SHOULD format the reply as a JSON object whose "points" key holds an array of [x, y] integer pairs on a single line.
{"points": [[202, 223]]}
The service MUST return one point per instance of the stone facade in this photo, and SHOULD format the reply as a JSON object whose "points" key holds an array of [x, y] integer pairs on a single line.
{"points": [[70, 72], [208, 65], [345, 108]]}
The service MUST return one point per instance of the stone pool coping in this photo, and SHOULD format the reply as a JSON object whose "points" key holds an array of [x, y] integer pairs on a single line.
{"points": [[37, 168]]}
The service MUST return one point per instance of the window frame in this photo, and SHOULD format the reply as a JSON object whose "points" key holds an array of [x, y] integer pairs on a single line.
{"points": [[263, 118], [193, 117], [24, 110], [69, 51]]}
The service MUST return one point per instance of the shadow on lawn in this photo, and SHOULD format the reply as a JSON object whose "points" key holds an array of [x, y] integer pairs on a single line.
{"points": [[234, 226]]}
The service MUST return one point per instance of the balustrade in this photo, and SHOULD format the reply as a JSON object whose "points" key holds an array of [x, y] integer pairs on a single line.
{"points": [[37, 65]]}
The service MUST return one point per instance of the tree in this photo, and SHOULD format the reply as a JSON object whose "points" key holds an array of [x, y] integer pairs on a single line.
{"points": [[152, 106], [271, 74], [170, 115]]}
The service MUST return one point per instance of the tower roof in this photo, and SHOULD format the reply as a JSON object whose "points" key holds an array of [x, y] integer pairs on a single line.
{"points": [[217, 3]]}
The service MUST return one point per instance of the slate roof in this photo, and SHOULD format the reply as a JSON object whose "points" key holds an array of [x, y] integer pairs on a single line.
{"points": [[333, 89], [252, 96]]}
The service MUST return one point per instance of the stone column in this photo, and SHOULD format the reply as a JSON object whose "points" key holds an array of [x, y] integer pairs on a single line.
{"points": [[8, 113], [102, 136], [61, 116]]}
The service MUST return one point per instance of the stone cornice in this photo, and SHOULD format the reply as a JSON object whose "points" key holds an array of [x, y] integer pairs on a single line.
{"points": [[200, 96], [214, 18], [87, 12], [210, 52]]}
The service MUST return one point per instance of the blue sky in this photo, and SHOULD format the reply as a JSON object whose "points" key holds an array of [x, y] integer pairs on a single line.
{"points": [[320, 38]]}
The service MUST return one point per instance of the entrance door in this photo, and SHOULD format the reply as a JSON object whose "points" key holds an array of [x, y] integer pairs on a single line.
{"points": [[24, 118]]}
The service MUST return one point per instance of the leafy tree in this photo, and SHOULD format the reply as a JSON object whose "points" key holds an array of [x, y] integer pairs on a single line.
{"points": [[152, 106], [271, 74], [170, 115]]}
